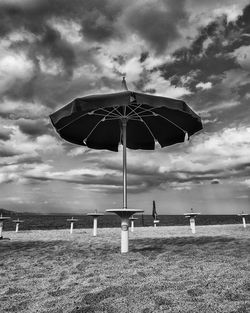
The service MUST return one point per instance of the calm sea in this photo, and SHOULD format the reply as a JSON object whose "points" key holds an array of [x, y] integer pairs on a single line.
{"points": [[32, 221]]}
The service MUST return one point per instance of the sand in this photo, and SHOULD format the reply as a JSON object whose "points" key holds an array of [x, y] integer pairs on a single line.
{"points": [[167, 270]]}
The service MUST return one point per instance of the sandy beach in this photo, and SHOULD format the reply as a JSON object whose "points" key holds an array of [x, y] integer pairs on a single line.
{"points": [[167, 270]]}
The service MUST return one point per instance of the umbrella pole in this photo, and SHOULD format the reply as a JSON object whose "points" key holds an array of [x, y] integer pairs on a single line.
{"points": [[124, 217], [124, 141]]}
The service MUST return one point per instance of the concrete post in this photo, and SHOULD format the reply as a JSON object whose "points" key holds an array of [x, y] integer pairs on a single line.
{"points": [[192, 224], [94, 226], [124, 234], [244, 221], [71, 227]]}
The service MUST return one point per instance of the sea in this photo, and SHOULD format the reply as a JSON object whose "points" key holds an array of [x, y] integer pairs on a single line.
{"points": [[59, 221]]}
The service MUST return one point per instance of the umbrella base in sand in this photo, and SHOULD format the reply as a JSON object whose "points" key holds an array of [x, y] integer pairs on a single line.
{"points": [[124, 214]]}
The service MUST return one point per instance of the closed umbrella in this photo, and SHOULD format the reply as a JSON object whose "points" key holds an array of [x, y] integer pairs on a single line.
{"points": [[135, 120]]}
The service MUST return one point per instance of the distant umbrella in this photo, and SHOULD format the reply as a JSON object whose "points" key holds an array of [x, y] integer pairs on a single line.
{"points": [[154, 213]]}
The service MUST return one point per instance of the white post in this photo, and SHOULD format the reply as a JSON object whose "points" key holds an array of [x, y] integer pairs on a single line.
{"points": [[244, 221], [132, 225], [124, 234], [17, 226], [71, 227], [192, 224], [1, 229], [94, 226], [155, 224]]}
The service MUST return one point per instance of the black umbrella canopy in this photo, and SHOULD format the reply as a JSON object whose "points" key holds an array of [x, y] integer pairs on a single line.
{"points": [[96, 121]]}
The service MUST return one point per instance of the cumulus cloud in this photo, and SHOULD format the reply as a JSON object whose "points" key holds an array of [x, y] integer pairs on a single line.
{"points": [[5, 133], [206, 85], [34, 128]]}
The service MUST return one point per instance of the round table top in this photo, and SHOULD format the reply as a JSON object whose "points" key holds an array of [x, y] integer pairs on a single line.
{"points": [[191, 214], [18, 221], [95, 214], [132, 218], [125, 213], [3, 218], [72, 219]]}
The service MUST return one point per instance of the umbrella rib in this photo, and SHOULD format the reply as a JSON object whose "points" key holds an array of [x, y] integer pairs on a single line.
{"points": [[92, 130], [87, 113], [141, 116], [97, 125], [104, 115], [133, 110], [150, 131], [157, 114], [141, 120], [145, 110], [165, 118], [114, 109]]}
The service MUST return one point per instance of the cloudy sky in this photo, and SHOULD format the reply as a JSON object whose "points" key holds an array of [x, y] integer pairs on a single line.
{"points": [[52, 51]]}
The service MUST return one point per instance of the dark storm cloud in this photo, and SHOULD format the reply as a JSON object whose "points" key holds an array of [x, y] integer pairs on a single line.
{"points": [[157, 22], [5, 134], [34, 18], [29, 160], [24, 160], [209, 55], [8, 152], [34, 14], [34, 128], [199, 63], [146, 178], [144, 56]]}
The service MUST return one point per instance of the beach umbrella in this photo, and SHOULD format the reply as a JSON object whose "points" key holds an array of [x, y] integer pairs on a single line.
{"points": [[135, 120], [154, 214]]}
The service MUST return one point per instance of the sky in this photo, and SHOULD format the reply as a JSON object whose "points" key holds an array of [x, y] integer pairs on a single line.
{"points": [[52, 51]]}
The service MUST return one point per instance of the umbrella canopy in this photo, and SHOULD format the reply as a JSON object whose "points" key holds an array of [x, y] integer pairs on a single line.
{"points": [[96, 121], [132, 119]]}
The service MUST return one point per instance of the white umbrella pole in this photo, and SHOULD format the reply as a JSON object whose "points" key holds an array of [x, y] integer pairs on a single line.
{"points": [[124, 141], [17, 227], [1, 229], [94, 226], [244, 221], [192, 224], [124, 220], [71, 227]]}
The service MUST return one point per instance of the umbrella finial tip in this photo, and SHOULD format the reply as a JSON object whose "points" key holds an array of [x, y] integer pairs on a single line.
{"points": [[124, 84]]}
